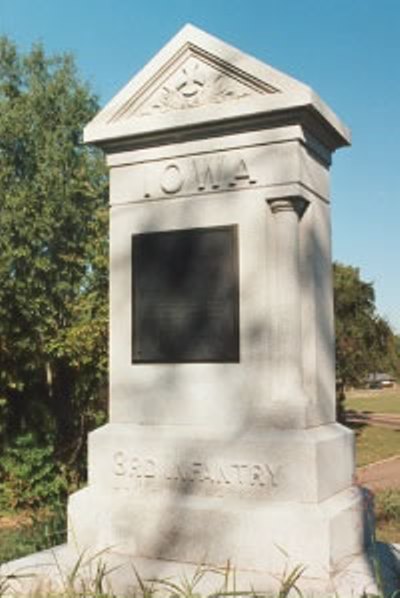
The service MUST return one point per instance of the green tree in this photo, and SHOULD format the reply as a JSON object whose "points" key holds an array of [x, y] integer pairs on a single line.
{"points": [[53, 252], [365, 342]]}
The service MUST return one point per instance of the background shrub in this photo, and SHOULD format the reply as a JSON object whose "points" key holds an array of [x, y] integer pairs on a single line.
{"points": [[31, 477]]}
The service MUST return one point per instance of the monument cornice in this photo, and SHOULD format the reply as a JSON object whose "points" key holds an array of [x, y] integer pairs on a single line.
{"points": [[121, 137]]}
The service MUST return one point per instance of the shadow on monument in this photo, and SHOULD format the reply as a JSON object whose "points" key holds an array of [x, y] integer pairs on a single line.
{"points": [[171, 277], [196, 349]]}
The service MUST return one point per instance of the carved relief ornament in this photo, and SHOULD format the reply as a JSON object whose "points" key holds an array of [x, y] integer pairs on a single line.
{"points": [[194, 83]]}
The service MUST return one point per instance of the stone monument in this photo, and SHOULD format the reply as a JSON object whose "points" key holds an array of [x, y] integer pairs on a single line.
{"points": [[222, 442]]}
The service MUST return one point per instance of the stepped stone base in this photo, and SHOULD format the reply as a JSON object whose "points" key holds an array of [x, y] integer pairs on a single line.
{"points": [[323, 537], [263, 501], [166, 499]]}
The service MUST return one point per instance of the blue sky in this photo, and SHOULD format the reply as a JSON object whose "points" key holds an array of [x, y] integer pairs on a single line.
{"points": [[347, 50]]}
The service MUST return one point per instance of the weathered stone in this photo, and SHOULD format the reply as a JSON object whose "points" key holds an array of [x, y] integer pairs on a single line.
{"points": [[222, 442]]}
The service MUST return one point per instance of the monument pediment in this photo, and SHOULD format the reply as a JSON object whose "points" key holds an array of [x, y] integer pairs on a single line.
{"points": [[198, 80], [193, 79]]}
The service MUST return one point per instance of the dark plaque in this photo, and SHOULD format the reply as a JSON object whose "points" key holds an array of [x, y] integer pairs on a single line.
{"points": [[185, 292]]}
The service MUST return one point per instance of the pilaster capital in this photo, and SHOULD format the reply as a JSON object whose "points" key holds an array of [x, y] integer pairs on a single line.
{"points": [[288, 204]]}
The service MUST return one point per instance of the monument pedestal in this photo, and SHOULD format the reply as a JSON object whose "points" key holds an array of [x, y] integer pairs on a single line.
{"points": [[213, 530], [263, 501]]}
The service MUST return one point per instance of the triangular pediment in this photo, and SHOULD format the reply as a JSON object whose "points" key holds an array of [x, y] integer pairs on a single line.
{"points": [[198, 80], [192, 79]]}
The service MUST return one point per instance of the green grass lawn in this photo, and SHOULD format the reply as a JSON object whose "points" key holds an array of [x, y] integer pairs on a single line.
{"points": [[374, 444], [374, 401]]}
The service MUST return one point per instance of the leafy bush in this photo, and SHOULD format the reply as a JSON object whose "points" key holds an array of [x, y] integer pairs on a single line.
{"points": [[40, 533], [30, 476], [387, 505]]}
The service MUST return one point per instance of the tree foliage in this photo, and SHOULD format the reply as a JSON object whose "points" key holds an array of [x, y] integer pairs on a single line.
{"points": [[53, 252], [365, 342]]}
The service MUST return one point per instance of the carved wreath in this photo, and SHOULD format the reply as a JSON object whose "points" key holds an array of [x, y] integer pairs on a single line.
{"points": [[192, 88]]}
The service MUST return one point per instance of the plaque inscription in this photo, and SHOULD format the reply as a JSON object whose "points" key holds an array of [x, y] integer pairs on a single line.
{"points": [[185, 291]]}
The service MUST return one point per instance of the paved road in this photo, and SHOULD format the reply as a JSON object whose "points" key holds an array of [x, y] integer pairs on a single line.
{"points": [[381, 475]]}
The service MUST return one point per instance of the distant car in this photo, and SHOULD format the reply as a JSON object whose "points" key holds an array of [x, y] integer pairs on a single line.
{"points": [[385, 384], [380, 380]]}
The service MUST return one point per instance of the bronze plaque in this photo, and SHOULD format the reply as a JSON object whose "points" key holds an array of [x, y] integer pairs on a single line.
{"points": [[185, 289]]}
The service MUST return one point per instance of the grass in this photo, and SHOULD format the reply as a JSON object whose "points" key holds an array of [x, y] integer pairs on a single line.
{"points": [[374, 401], [388, 531], [224, 582], [374, 444], [26, 533], [96, 585], [387, 512], [79, 585]]}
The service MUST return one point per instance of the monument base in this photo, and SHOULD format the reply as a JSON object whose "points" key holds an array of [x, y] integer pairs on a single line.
{"points": [[273, 537], [163, 500], [191, 496]]}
